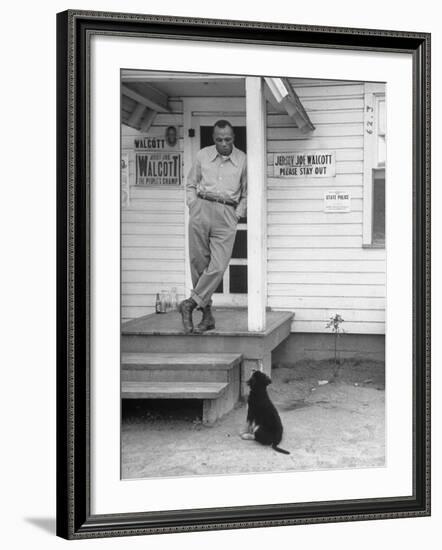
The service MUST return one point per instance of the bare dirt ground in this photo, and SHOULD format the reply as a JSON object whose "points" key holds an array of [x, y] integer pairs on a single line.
{"points": [[328, 423]]}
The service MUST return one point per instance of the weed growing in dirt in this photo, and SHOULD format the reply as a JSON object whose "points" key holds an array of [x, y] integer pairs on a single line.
{"points": [[334, 324]]}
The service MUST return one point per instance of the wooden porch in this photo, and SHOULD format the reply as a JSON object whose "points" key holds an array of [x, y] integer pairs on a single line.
{"points": [[145, 343]]}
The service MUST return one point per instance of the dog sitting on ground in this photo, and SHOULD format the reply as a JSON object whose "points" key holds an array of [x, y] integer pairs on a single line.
{"points": [[263, 421]]}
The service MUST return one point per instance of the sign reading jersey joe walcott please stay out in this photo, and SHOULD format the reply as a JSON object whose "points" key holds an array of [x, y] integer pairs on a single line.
{"points": [[310, 164]]}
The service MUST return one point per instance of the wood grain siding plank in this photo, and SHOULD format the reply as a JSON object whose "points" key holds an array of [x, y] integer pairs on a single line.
{"points": [[336, 278], [315, 144], [350, 328], [323, 130], [327, 266], [150, 254], [175, 119], [151, 193], [147, 300], [327, 290], [361, 254], [306, 205], [157, 205], [146, 289], [313, 218], [138, 264], [152, 229], [350, 180], [349, 316], [315, 241], [156, 241], [337, 303], [137, 216], [324, 230]]}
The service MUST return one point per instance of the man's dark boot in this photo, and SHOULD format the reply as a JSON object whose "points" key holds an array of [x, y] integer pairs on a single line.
{"points": [[207, 322], [185, 308]]}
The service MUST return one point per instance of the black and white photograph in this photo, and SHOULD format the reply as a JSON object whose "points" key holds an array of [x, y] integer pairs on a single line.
{"points": [[253, 274]]}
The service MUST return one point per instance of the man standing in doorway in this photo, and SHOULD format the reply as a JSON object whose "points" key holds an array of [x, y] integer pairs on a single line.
{"points": [[216, 196]]}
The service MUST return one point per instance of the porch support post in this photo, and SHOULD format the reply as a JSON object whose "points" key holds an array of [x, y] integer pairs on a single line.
{"points": [[256, 203]]}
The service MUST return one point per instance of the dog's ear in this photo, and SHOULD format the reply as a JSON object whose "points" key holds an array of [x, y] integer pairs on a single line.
{"points": [[267, 380]]}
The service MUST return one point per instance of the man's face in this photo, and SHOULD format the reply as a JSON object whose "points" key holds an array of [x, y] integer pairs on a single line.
{"points": [[171, 136], [223, 139]]}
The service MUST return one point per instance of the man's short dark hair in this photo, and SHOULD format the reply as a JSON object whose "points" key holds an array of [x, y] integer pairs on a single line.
{"points": [[223, 124]]}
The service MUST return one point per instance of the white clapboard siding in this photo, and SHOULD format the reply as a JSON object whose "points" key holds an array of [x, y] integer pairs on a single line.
{"points": [[152, 229], [323, 130], [316, 265], [313, 143], [308, 205], [313, 218], [162, 266], [328, 267], [139, 216], [144, 253], [344, 180], [334, 303], [172, 278], [364, 327], [317, 230], [153, 247], [291, 290], [322, 278], [349, 316]]}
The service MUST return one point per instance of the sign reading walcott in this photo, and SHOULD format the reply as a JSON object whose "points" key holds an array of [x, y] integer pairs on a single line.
{"points": [[312, 164], [157, 159], [158, 168]]}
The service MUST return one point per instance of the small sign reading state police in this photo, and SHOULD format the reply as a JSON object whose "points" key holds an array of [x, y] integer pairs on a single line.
{"points": [[310, 164], [337, 201]]}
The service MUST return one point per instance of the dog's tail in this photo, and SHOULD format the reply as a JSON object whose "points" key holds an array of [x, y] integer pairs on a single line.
{"points": [[276, 448]]}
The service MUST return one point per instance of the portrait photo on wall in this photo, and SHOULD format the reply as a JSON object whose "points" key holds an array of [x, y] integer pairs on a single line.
{"points": [[253, 274]]}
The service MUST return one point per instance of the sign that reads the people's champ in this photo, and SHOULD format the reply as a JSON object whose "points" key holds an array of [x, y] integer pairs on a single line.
{"points": [[309, 164], [158, 168], [157, 161]]}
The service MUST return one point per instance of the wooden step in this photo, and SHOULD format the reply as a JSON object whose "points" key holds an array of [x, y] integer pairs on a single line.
{"points": [[212, 377], [180, 360], [216, 396], [180, 367], [165, 390]]}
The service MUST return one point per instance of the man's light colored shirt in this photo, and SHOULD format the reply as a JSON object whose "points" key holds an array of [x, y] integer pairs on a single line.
{"points": [[222, 177]]}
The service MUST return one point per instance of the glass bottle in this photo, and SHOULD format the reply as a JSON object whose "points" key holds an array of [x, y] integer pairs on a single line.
{"points": [[173, 299], [157, 303]]}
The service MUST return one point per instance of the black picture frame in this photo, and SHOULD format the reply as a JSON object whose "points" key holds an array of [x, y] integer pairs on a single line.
{"points": [[74, 518]]}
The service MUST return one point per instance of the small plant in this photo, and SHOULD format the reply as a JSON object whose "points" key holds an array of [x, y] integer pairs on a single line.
{"points": [[334, 324]]}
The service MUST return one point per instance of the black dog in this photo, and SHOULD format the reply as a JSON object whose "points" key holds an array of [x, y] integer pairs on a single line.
{"points": [[264, 422]]}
